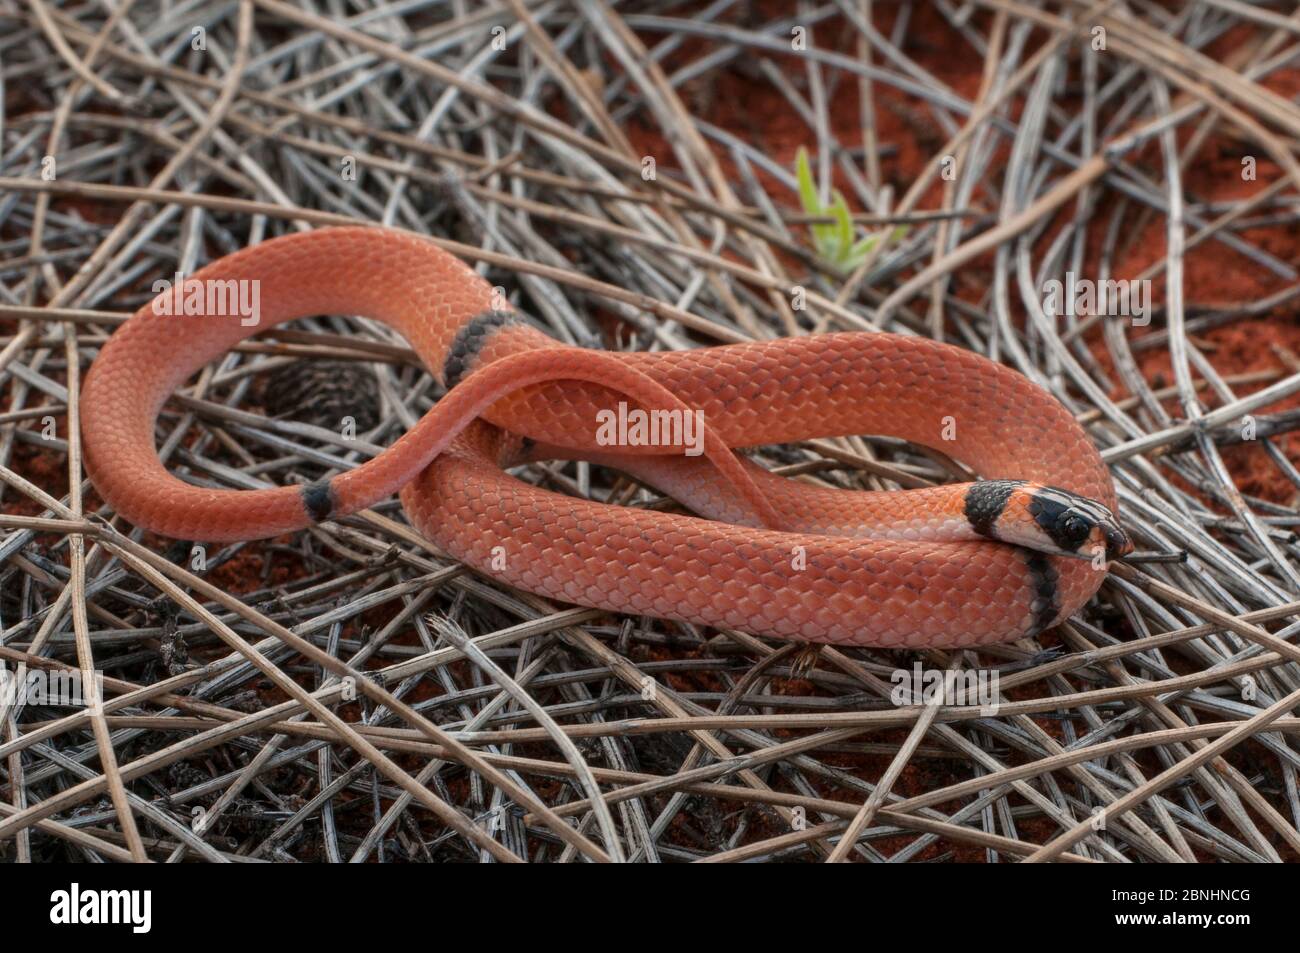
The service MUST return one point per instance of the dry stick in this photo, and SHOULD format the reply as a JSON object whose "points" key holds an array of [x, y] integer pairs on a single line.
{"points": [[82, 69], [1100, 696], [1120, 745], [561, 275], [368, 687], [77, 550], [451, 632], [888, 718], [75, 835], [1226, 620], [1161, 53], [1087, 173], [408, 741], [39, 214], [507, 105], [472, 252], [766, 262], [1238, 211], [1233, 777], [948, 735], [587, 98], [108, 760], [1096, 752], [883, 787], [295, 342], [1242, 732], [778, 799], [447, 814], [983, 111], [690, 769], [163, 693], [752, 679], [627, 673], [21, 341], [742, 218], [159, 134], [1238, 58], [1174, 65], [156, 569], [1144, 644], [1183, 58], [1248, 12], [229, 89], [456, 750], [867, 103], [939, 288], [22, 819], [17, 783], [1212, 420], [692, 252], [1084, 175], [845, 316], [781, 799], [81, 627]]}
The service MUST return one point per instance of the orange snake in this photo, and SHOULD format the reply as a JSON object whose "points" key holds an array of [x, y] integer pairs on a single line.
{"points": [[773, 556]]}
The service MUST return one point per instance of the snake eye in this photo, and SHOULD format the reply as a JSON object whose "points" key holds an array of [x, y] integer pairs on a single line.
{"points": [[1073, 530]]}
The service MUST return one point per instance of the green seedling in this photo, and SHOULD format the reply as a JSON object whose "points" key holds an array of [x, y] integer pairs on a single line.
{"points": [[836, 241]]}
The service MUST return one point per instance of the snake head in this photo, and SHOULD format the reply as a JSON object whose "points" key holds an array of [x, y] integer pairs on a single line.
{"points": [[1046, 518], [1076, 526]]}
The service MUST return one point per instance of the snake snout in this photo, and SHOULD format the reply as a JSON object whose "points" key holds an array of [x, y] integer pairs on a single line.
{"points": [[1117, 542]]}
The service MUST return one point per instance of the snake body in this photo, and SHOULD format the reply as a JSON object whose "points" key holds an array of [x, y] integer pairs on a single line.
{"points": [[771, 556]]}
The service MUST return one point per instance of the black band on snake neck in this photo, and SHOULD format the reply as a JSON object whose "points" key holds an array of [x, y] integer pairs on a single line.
{"points": [[985, 502], [1043, 579], [469, 340]]}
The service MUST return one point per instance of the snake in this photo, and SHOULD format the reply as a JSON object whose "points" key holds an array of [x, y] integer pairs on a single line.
{"points": [[736, 546]]}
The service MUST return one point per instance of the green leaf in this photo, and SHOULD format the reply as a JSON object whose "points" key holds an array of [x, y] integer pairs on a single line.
{"points": [[812, 203], [861, 249], [823, 234], [834, 240]]}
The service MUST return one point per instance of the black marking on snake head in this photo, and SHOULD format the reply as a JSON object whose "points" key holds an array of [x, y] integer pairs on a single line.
{"points": [[1066, 517], [318, 500], [469, 340], [985, 502], [1043, 580]]}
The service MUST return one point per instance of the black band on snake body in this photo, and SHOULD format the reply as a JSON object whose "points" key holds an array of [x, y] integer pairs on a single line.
{"points": [[469, 340], [318, 500]]}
